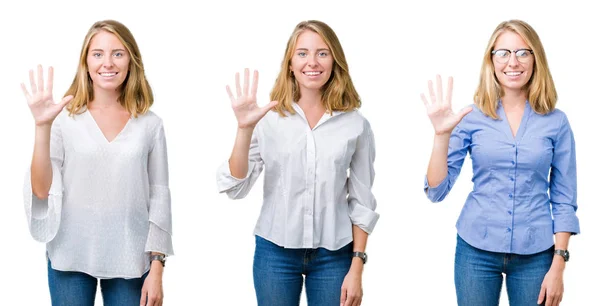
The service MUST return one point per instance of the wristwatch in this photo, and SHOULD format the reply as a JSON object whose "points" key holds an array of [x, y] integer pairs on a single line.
{"points": [[361, 255], [161, 258], [564, 253]]}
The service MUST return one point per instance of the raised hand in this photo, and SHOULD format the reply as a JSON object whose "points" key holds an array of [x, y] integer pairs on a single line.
{"points": [[40, 100], [439, 109], [246, 111]]}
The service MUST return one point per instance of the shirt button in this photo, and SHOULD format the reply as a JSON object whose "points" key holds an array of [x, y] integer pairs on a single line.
{"points": [[508, 229], [510, 212], [510, 195], [512, 179], [512, 162], [513, 146]]}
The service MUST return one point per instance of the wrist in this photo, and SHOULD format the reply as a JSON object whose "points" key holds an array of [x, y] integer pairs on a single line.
{"points": [[156, 267], [357, 265]]}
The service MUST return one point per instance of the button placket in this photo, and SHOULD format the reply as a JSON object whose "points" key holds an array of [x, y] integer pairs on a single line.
{"points": [[308, 239]]}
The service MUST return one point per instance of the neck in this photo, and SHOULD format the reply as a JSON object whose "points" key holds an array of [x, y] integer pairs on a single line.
{"points": [[310, 99], [514, 98], [105, 99]]}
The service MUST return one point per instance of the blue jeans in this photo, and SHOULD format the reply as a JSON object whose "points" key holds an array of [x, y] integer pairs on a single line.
{"points": [[478, 275], [278, 274], [79, 289]]}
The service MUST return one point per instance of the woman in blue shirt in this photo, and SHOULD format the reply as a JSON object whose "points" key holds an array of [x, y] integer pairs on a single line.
{"points": [[519, 217]]}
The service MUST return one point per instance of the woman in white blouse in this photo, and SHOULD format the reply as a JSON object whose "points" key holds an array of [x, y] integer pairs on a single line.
{"points": [[318, 153], [97, 193]]}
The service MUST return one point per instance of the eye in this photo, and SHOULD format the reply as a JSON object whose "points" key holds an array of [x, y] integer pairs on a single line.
{"points": [[97, 54], [302, 54], [522, 53], [501, 53], [323, 54], [118, 54]]}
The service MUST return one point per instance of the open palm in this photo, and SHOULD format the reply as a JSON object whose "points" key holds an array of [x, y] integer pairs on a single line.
{"points": [[439, 109], [246, 111], [40, 100]]}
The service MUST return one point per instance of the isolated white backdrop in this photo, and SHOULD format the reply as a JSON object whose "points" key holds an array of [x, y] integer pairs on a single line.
{"points": [[192, 52]]}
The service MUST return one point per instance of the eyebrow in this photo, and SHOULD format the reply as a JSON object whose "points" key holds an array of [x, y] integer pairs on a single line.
{"points": [[112, 50], [305, 49]]}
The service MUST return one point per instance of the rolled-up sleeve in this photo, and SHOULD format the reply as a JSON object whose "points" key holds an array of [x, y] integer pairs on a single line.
{"points": [[159, 204], [44, 215], [361, 201], [563, 181], [237, 188], [458, 147]]}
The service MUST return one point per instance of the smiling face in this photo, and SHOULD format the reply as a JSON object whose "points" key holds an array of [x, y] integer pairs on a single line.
{"points": [[312, 61], [512, 69], [107, 62]]}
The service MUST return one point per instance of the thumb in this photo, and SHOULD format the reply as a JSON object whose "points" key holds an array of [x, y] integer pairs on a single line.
{"points": [[541, 295], [268, 107], [65, 101], [144, 297], [343, 296], [463, 112]]}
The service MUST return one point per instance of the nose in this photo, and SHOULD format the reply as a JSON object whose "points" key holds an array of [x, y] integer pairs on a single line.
{"points": [[312, 61], [107, 61], [512, 60]]}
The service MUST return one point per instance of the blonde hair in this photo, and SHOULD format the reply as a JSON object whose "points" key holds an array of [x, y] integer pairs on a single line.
{"points": [[338, 94], [136, 95], [540, 88]]}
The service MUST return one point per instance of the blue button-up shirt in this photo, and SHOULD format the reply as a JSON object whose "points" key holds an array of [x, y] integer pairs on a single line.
{"points": [[515, 207]]}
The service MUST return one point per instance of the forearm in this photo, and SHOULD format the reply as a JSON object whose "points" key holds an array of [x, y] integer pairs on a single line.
{"points": [[41, 167], [561, 243], [438, 162], [359, 238], [238, 162]]}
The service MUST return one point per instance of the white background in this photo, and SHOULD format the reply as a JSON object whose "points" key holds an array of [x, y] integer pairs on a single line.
{"points": [[191, 53]]}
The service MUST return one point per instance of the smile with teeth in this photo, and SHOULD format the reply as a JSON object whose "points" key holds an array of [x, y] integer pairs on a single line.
{"points": [[513, 73], [312, 73], [108, 74]]}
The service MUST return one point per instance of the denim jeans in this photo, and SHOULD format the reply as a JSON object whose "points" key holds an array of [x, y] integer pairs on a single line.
{"points": [[478, 275], [79, 289], [279, 274]]}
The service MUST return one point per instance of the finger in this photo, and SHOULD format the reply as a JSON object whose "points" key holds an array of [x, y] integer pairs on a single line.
{"points": [[246, 79], [541, 295], [230, 94], [349, 300], [449, 90], [50, 80], [238, 89], [255, 83], [32, 82], [144, 297], [40, 78], [424, 99], [549, 300], [438, 83], [25, 92], [431, 93]]}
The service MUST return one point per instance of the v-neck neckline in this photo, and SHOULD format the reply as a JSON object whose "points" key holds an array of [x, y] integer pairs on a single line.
{"points": [[99, 132], [321, 121], [522, 125]]}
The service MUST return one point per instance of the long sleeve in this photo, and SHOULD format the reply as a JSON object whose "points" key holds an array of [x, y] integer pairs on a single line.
{"points": [[563, 181], [457, 151], [159, 204], [239, 188], [43, 216], [361, 200]]}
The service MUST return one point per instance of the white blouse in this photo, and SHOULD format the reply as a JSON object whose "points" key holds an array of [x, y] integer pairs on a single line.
{"points": [[109, 204], [317, 182]]}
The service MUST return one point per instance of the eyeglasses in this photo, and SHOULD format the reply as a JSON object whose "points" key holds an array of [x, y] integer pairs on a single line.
{"points": [[501, 56]]}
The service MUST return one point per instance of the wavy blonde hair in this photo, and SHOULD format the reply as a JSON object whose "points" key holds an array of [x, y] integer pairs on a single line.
{"points": [[540, 88], [136, 95], [338, 94]]}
